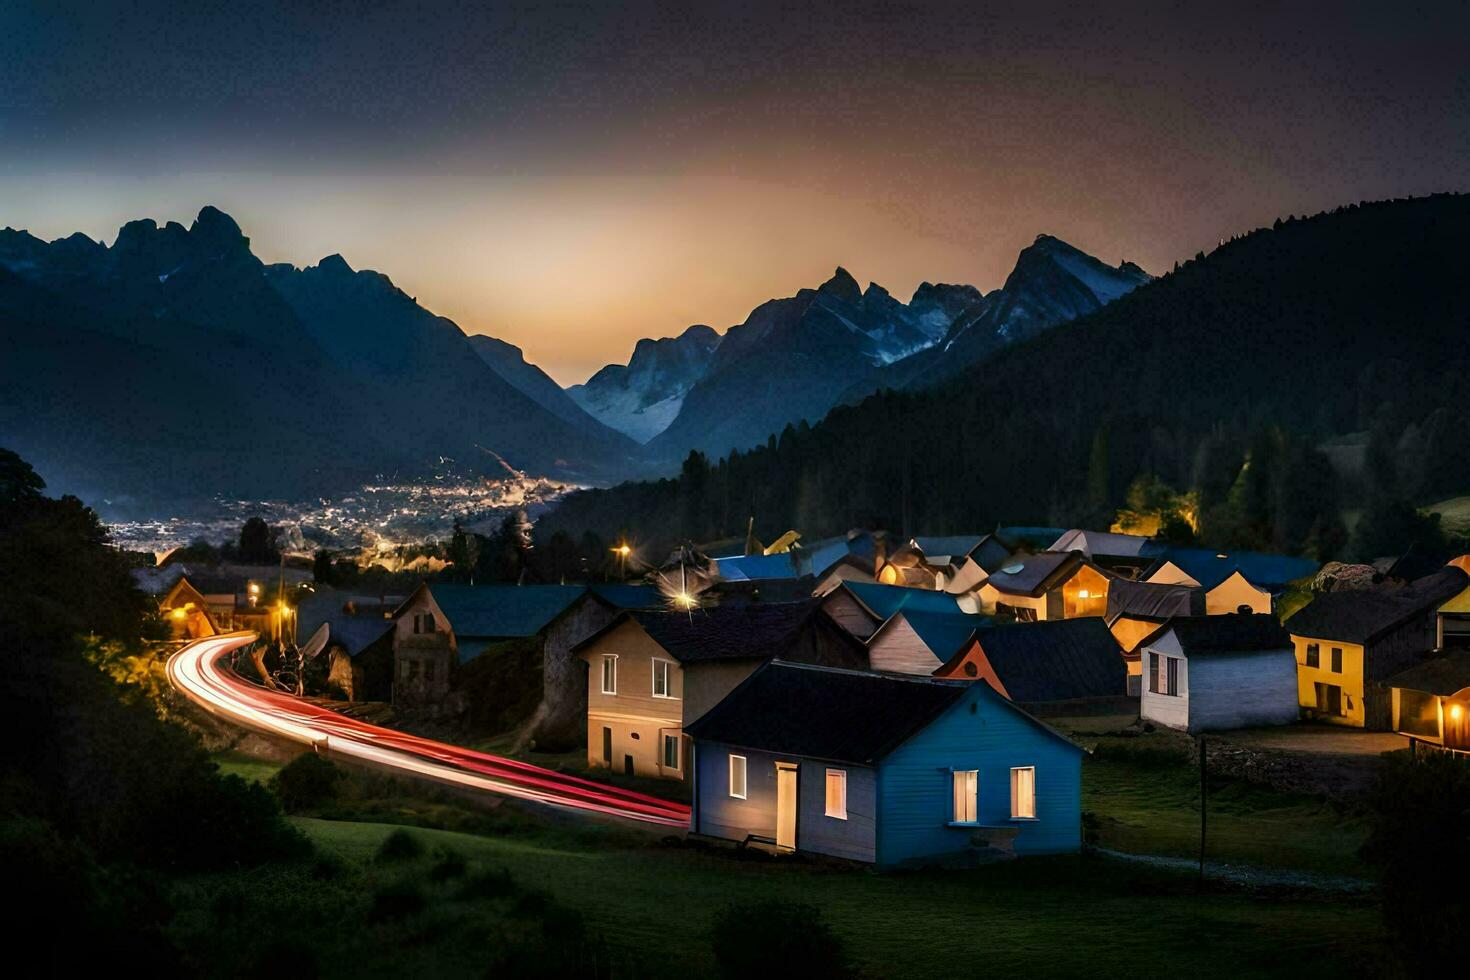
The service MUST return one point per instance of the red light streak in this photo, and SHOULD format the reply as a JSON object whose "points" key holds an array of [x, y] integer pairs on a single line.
{"points": [[196, 671]]}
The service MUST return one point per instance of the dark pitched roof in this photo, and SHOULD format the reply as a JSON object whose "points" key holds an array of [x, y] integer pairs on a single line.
{"points": [[885, 600], [825, 713], [944, 633], [1054, 660], [1235, 633], [1147, 600], [1265, 571], [1028, 574], [1363, 615], [726, 632], [1443, 675], [501, 611], [356, 633]]}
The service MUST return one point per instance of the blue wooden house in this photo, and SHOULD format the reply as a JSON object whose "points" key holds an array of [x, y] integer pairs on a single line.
{"points": [[890, 770]]}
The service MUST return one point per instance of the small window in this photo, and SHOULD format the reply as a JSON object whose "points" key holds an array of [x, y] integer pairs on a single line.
{"points": [[1023, 793], [663, 679], [610, 675], [1314, 655], [671, 751], [737, 776], [1172, 677], [966, 784], [837, 793], [1153, 673], [970, 669], [1337, 660]]}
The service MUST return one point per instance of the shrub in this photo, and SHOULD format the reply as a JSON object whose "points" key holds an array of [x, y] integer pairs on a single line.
{"points": [[308, 782], [779, 937], [400, 846], [1418, 813], [397, 900], [449, 865]]}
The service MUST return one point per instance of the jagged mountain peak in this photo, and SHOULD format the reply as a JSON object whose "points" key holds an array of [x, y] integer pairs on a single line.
{"points": [[214, 228], [842, 286], [335, 264]]}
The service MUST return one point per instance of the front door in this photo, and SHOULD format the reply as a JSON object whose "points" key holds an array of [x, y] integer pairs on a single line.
{"points": [[1329, 699], [627, 765], [607, 745], [786, 805]]}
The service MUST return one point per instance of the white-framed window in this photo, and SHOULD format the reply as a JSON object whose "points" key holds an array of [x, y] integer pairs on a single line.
{"points": [[966, 794], [663, 679], [1163, 674], [837, 793], [610, 674], [737, 776], [1023, 793], [669, 750]]}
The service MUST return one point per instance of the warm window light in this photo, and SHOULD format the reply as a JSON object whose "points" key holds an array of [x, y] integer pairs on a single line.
{"points": [[1084, 594], [1455, 712], [254, 589], [179, 614]]}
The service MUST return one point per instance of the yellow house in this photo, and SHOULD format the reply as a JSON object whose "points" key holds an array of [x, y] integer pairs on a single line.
{"points": [[1045, 586], [650, 672], [1348, 643], [1431, 701], [186, 611]]}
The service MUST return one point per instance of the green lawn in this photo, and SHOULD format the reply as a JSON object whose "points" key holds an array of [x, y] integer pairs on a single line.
{"points": [[1071, 916], [248, 767], [1152, 807]]}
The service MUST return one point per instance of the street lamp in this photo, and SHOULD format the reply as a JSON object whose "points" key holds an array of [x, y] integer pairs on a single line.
{"points": [[622, 551]]}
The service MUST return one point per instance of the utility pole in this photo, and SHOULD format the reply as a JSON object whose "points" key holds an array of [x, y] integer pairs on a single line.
{"points": [[1204, 791]]}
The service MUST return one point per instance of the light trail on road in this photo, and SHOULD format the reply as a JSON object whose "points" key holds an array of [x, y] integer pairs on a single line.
{"points": [[197, 672]]}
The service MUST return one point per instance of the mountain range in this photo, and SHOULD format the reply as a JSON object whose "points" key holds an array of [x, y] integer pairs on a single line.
{"points": [[174, 363]]}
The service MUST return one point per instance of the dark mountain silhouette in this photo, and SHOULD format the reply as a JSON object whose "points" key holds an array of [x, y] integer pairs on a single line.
{"points": [[509, 361], [1346, 322], [175, 363]]}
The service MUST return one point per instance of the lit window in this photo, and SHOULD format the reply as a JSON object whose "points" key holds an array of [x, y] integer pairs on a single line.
{"points": [[609, 675], [1023, 793], [966, 783], [837, 793], [663, 679], [671, 751], [737, 776]]}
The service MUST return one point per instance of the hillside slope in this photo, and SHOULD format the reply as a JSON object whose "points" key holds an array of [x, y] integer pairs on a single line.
{"points": [[1320, 326]]}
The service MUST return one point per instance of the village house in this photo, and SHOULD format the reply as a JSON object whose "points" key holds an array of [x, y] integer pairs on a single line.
{"points": [[851, 557], [444, 626], [916, 642], [1210, 673], [979, 562], [651, 672], [862, 607], [1042, 663], [888, 770], [1347, 643], [187, 612], [1137, 609], [1049, 585], [1124, 555], [1233, 580], [1431, 701], [359, 655]]}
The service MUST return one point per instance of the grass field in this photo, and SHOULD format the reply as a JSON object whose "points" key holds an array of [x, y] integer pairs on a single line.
{"points": [[1154, 809], [1071, 916], [247, 767]]}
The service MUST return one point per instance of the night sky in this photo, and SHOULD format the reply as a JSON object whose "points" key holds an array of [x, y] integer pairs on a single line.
{"points": [[572, 178]]}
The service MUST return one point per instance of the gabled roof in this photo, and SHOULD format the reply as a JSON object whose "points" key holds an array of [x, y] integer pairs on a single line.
{"points": [[356, 633], [1209, 568], [628, 596], [942, 633], [501, 611], [1107, 544], [1364, 615], [1030, 575], [1149, 600], [830, 713], [817, 559], [1030, 537], [744, 631], [885, 600], [1443, 675], [1053, 660], [1233, 633], [955, 547]]}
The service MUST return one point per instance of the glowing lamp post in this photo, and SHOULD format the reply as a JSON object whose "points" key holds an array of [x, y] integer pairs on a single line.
{"points": [[622, 551]]}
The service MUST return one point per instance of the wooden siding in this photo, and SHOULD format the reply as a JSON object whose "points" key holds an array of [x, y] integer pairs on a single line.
{"points": [[897, 648], [848, 613], [717, 814], [1219, 691], [915, 793]]}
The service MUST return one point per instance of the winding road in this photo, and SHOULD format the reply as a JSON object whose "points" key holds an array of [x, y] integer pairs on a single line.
{"points": [[198, 672]]}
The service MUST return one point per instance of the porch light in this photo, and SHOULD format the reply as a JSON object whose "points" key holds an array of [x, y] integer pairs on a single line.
{"points": [[1455, 712]]}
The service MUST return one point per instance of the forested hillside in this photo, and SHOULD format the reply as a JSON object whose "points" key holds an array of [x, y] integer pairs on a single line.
{"points": [[1348, 322]]}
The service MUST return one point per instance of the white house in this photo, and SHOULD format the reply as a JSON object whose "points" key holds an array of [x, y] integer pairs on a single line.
{"points": [[1209, 673]]}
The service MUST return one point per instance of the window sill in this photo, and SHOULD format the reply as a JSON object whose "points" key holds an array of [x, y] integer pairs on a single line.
{"points": [[664, 697], [1025, 819]]}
